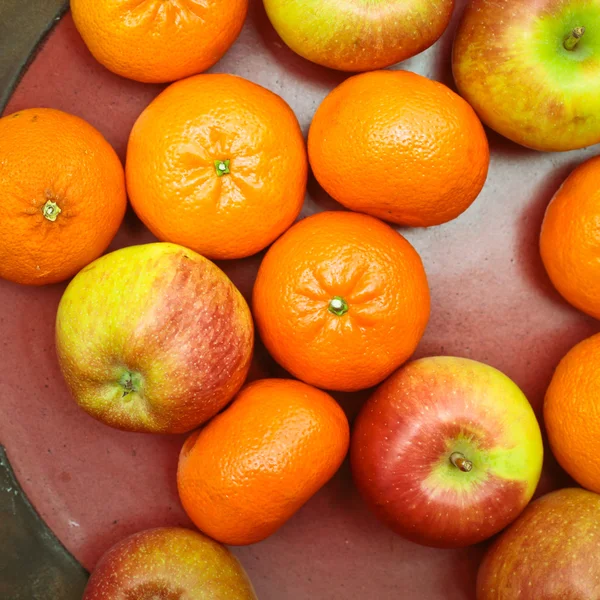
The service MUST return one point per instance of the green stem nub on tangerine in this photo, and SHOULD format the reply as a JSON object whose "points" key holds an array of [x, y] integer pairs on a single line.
{"points": [[338, 306], [51, 210], [573, 38], [222, 167]]}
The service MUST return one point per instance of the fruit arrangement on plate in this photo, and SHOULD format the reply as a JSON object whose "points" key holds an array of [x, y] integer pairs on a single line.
{"points": [[156, 338]]}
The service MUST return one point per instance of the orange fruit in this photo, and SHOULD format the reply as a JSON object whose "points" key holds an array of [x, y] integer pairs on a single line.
{"points": [[341, 300], [63, 195], [571, 413], [218, 164], [400, 147], [155, 41], [570, 239], [253, 466]]}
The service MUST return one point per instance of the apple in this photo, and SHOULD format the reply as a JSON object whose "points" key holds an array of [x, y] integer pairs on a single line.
{"points": [[153, 338], [447, 452], [531, 69], [549, 553], [168, 563], [359, 35]]}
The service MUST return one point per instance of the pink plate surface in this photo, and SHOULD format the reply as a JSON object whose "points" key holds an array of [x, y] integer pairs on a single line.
{"points": [[491, 301]]}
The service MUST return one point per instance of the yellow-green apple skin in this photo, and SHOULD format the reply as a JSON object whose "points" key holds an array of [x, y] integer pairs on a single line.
{"points": [[415, 429], [359, 35], [512, 64], [168, 563], [549, 553], [153, 338]]}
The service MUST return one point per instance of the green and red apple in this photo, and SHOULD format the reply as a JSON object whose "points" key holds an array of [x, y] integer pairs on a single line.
{"points": [[168, 563], [359, 35], [153, 338], [549, 553], [531, 69], [447, 452]]}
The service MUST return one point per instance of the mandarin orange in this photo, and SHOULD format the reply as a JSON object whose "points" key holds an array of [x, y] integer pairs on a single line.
{"points": [[341, 300], [218, 164], [156, 41], [63, 195], [398, 146], [571, 413], [570, 238], [253, 466]]}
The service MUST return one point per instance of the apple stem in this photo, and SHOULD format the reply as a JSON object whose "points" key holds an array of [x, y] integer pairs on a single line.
{"points": [[573, 38], [460, 462]]}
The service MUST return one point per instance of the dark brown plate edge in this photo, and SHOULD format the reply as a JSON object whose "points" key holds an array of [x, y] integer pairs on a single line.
{"points": [[34, 565]]}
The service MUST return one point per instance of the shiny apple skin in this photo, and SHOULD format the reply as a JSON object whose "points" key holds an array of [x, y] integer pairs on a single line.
{"points": [[549, 553], [153, 338], [413, 424], [359, 35], [511, 65], [168, 563]]}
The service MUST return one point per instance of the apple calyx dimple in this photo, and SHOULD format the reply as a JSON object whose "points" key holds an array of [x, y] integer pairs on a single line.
{"points": [[573, 38], [460, 462], [131, 382], [338, 306]]}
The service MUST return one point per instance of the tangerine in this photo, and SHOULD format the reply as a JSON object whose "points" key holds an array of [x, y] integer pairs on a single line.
{"points": [[63, 195], [341, 300], [398, 146], [218, 164], [570, 238], [156, 41], [253, 466], [571, 413]]}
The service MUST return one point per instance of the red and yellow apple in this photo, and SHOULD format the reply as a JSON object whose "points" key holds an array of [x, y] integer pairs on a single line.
{"points": [[549, 553], [153, 338], [168, 563], [447, 452], [359, 35], [531, 69]]}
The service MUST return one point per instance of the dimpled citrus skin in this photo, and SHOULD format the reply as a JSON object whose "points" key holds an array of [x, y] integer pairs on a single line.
{"points": [[253, 466], [549, 553], [570, 238], [156, 41], [168, 563], [172, 176], [572, 413], [48, 157], [400, 147], [373, 269]]}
